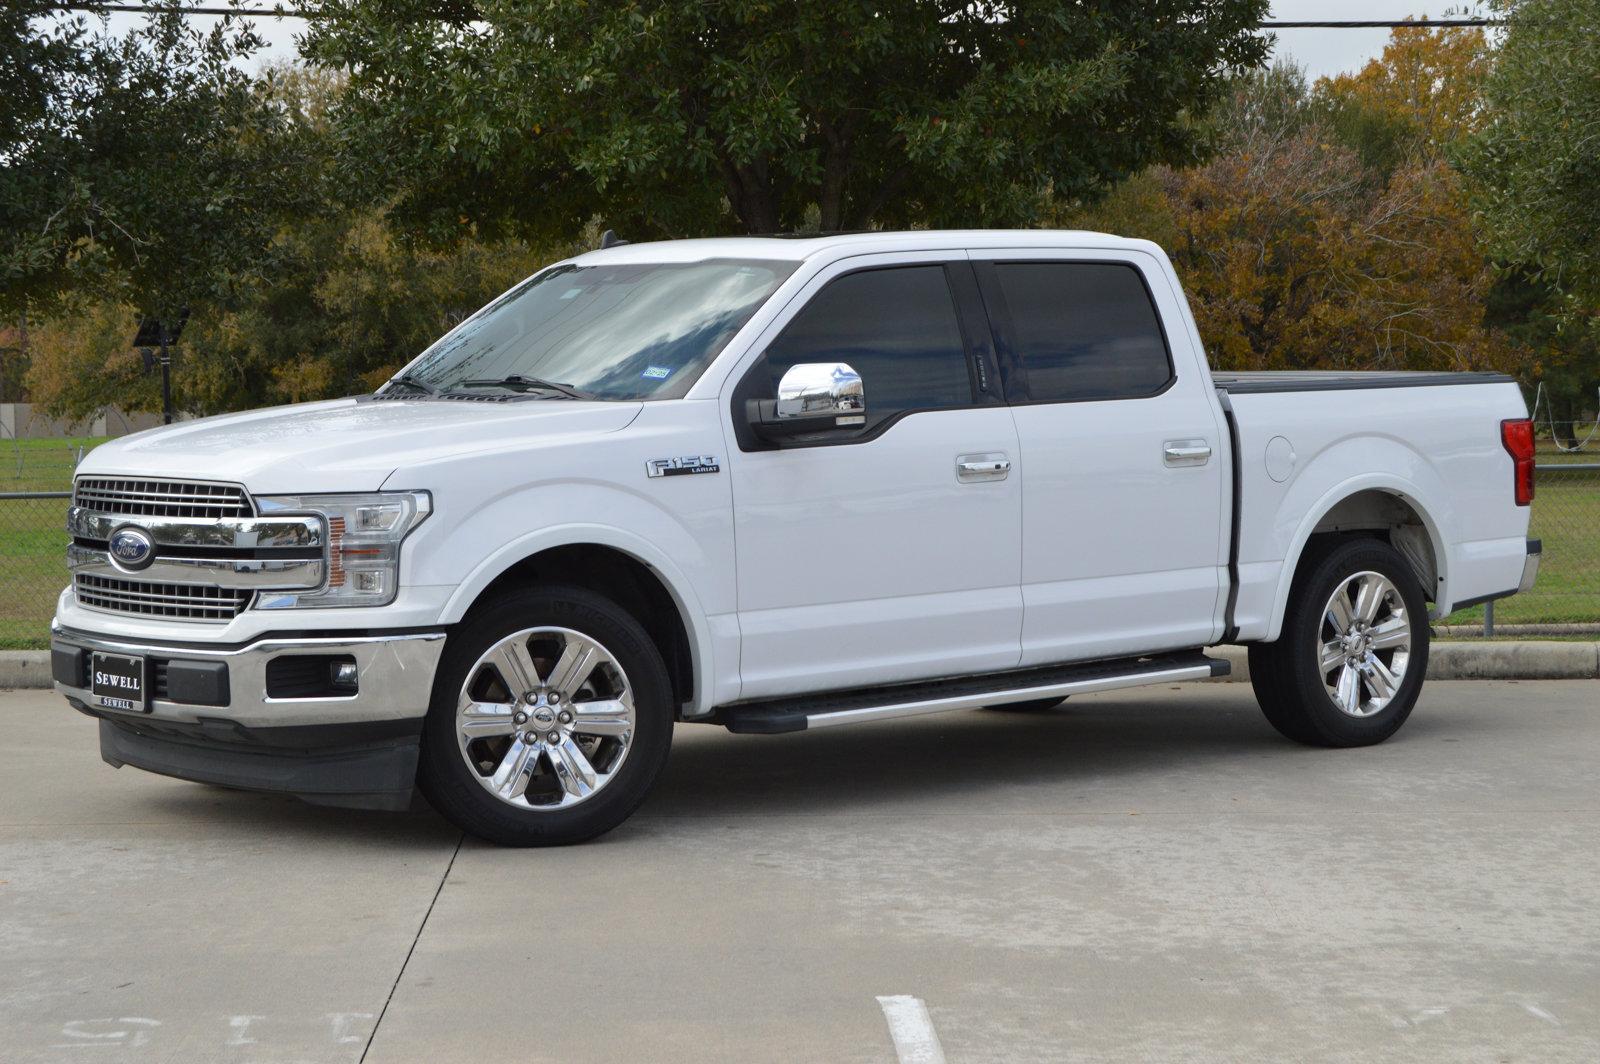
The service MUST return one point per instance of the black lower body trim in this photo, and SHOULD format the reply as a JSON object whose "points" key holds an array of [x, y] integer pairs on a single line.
{"points": [[1481, 599], [377, 772]]}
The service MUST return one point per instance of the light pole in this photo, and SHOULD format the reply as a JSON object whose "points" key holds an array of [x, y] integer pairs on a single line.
{"points": [[162, 335]]}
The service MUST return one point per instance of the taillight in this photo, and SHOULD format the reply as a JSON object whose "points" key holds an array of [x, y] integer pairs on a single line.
{"points": [[1517, 435]]}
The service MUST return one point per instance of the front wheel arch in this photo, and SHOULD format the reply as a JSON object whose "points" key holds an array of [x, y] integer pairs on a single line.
{"points": [[620, 577]]}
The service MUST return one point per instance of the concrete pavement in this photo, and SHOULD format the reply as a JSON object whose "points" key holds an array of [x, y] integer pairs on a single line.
{"points": [[1149, 874]]}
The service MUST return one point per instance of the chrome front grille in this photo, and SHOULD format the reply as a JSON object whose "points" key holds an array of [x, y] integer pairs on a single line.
{"points": [[161, 498], [206, 551], [182, 602]]}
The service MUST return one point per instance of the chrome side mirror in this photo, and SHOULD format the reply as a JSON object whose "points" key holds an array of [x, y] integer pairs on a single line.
{"points": [[813, 397], [822, 389]]}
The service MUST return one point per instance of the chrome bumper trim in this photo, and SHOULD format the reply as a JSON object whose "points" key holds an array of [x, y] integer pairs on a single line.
{"points": [[395, 678]]}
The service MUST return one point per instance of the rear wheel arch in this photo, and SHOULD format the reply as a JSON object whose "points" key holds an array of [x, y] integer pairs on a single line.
{"points": [[1383, 512]]}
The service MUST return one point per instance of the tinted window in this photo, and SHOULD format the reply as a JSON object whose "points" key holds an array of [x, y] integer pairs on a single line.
{"points": [[897, 328], [1084, 330]]}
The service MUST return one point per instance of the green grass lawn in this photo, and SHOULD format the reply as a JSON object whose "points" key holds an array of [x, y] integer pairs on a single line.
{"points": [[33, 540], [42, 465], [33, 535], [1566, 517]]}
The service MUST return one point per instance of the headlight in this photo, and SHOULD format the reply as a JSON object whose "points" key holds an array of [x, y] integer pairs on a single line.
{"points": [[364, 534]]}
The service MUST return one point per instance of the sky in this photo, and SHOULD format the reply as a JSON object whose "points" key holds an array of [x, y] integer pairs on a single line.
{"points": [[1321, 52]]}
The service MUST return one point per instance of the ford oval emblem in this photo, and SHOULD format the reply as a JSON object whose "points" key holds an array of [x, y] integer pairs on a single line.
{"points": [[132, 549]]}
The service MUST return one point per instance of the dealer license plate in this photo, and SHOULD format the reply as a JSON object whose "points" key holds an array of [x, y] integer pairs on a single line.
{"points": [[117, 681]]}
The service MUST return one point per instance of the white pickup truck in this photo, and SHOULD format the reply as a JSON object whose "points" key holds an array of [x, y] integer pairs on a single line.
{"points": [[773, 485]]}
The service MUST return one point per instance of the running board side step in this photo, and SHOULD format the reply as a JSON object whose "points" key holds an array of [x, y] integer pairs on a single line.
{"points": [[780, 715]]}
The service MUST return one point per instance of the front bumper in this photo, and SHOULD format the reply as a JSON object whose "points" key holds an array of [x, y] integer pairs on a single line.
{"points": [[223, 725], [394, 677]]}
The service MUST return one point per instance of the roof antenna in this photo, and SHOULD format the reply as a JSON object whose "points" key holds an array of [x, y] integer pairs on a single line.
{"points": [[610, 239]]}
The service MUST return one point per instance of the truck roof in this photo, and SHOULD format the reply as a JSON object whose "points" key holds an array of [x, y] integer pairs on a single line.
{"points": [[800, 247]]}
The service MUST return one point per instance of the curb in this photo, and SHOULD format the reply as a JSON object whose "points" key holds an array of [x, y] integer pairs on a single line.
{"points": [[1529, 631], [1485, 660], [1499, 660], [24, 668]]}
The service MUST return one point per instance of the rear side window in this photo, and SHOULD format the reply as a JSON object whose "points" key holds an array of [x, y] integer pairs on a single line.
{"points": [[1084, 330], [896, 327]]}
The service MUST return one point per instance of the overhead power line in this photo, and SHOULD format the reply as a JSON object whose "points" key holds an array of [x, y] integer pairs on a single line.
{"points": [[289, 12], [1351, 24]]}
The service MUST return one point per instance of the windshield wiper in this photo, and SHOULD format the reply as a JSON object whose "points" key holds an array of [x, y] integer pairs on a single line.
{"points": [[415, 382], [518, 380]]}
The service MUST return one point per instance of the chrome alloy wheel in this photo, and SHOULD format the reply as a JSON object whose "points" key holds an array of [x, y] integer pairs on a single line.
{"points": [[545, 718], [1364, 644]]}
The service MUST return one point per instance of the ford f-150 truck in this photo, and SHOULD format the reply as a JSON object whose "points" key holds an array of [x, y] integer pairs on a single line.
{"points": [[774, 485]]}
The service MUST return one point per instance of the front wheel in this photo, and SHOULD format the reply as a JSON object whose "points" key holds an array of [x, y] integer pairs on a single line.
{"points": [[550, 719], [1349, 663]]}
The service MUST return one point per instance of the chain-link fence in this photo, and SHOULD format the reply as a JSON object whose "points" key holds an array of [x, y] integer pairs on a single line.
{"points": [[1566, 516], [33, 565], [35, 482]]}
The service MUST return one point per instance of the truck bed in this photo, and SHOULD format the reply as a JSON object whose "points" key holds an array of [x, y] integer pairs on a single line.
{"points": [[1256, 381]]}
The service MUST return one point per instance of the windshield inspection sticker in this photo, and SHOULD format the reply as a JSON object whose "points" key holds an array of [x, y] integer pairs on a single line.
{"points": [[656, 373]]}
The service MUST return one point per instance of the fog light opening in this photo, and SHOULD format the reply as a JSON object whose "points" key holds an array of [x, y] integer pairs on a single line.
{"points": [[344, 677]]}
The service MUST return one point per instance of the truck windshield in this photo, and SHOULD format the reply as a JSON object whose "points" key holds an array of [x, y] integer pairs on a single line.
{"points": [[632, 331]]}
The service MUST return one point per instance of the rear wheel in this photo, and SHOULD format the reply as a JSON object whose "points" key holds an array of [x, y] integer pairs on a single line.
{"points": [[551, 717], [1349, 663]]}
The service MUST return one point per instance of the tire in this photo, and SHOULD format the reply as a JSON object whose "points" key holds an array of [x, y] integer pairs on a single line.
{"points": [[565, 765], [1035, 705], [1387, 662]]}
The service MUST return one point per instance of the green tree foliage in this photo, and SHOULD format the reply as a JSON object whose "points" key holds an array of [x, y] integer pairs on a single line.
{"points": [[1537, 157], [333, 303], [347, 304], [683, 117], [1535, 170], [146, 167]]}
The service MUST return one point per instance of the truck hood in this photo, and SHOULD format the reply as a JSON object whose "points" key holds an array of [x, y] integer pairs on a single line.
{"points": [[344, 444]]}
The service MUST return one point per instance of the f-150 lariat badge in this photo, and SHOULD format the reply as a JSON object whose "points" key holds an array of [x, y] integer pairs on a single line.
{"points": [[678, 467]]}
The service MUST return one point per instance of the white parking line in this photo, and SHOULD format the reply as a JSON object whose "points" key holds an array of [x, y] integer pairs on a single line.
{"points": [[915, 1041]]}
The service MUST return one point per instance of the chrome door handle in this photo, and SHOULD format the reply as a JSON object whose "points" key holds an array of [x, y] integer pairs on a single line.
{"points": [[971, 468], [1186, 452]]}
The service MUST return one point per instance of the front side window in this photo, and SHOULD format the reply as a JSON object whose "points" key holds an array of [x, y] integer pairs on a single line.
{"points": [[631, 331], [1084, 330], [896, 327]]}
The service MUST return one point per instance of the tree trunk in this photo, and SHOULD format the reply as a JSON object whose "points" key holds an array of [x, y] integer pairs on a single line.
{"points": [[888, 190], [751, 194], [835, 166]]}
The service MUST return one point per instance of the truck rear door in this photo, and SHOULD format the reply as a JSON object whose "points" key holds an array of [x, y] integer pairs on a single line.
{"points": [[1123, 454]]}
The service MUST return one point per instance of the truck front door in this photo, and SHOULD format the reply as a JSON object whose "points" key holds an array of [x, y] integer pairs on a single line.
{"points": [[870, 556]]}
